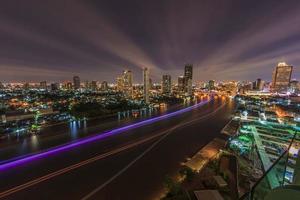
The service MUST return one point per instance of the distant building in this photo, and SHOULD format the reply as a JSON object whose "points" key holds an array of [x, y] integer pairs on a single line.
{"points": [[26, 86], [94, 85], [119, 83], [166, 84], [188, 71], [294, 86], [68, 85], [188, 74], [54, 86], [127, 83], [281, 77], [1, 86], [87, 85], [258, 84], [76, 82], [146, 86], [127, 78], [104, 86], [181, 83], [211, 85], [43, 85]]}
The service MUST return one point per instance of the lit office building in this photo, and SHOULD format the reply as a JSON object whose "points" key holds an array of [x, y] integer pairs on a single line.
{"points": [[104, 86], [281, 77], [43, 85], [211, 84], [146, 82], [259, 84], [94, 85], [76, 82], [188, 74], [166, 84], [181, 83], [54, 86], [127, 83]]}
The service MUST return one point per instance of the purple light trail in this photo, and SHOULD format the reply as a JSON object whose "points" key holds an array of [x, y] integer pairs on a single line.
{"points": [[28, 158]]}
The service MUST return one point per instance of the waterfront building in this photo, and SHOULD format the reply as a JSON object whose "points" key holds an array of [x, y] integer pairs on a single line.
{"points": [[166, 84], [146, 84]]}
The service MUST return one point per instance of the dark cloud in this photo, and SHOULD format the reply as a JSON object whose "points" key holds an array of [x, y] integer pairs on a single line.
{"points": [[224, 39]]}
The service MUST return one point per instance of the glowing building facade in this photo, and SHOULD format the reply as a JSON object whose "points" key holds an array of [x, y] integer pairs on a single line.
{"points": [[281, 77]]}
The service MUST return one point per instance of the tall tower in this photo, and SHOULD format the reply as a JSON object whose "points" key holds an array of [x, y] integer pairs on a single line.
{"points": [[188, 74], [181, 83], [43, 85], [166, 84], [281, 77], [146, 84], [76, 82], [188, 71], [127, 83]]}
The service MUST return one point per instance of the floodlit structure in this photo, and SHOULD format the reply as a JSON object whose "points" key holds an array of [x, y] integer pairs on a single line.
{"points": [[281, 77], [188, 74], [166, 84], [146, 87], [76, 82]]}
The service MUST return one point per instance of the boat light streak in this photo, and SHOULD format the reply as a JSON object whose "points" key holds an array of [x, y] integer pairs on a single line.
{"points": [[4, 165]]}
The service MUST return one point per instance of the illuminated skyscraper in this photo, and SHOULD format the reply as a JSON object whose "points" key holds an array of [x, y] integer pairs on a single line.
{"points": [[26, 86], [281, 77], [211, 84], [94, 85], [146, 87], [54, 86], [127, 83], [181, 83], [43, 85], [127, 78], [104, 86], [68, 85], [76, 82], [119, 83], [188, 82], [188, 71], [166, 84]]}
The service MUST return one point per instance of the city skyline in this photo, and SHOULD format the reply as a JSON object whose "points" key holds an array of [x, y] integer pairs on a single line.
{"points": [[244, 44]]}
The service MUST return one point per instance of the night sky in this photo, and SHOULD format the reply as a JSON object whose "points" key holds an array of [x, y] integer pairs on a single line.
{"points": [[225, 39]]}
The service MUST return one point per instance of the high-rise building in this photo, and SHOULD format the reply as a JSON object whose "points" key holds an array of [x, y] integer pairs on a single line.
{"points": [[104, 86], [281, 77], [68, 85], [166, 84], [87, 85], [181, 83], [26, 86], [120, 84], [127, 78], [43, 85], [258, 84], [94, 85], [76, 82], [294, 86], [146, 82], [127, 83], [188, 74], [188, 71], [211, 84], [54, 86]]}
